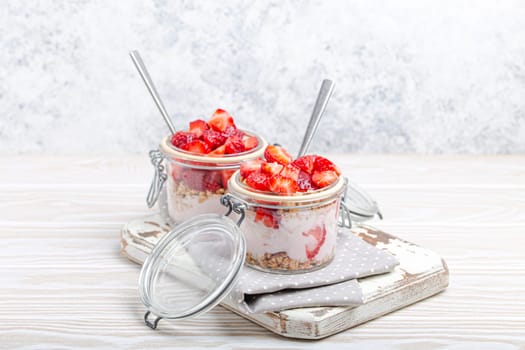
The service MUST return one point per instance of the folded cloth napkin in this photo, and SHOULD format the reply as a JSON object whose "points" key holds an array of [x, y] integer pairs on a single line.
{"points": [[335, 284]]}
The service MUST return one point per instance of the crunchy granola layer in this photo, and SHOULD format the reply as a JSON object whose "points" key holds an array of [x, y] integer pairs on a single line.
{"points": [[182, 190], [281, 261]]}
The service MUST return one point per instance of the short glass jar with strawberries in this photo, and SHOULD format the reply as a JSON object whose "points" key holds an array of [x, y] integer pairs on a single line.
{"points": [[198, 164], [291, 210]]}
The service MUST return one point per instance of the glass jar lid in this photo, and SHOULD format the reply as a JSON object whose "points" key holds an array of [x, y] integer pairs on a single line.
{"points": [[360, 204], [192, 268]]}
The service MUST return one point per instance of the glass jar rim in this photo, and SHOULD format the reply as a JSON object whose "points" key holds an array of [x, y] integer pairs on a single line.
{"points": [[171, 151]]}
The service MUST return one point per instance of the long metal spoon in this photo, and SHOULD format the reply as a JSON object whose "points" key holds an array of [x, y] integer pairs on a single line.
{"points": [[139, 64], [325, 92]]}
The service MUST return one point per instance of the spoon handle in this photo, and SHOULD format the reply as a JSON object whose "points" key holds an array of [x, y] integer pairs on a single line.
{"points": [[320, 105], [139, 64]]}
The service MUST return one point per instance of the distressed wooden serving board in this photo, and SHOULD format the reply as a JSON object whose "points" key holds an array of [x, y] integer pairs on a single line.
{"points": [[420, 274]]}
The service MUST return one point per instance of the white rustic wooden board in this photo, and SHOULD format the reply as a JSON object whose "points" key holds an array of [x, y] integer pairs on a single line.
{"points": [[65, 284], [420, 274]]}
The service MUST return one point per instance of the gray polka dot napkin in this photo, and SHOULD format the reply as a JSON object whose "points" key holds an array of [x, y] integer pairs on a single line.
{"points": [[336, 284]]}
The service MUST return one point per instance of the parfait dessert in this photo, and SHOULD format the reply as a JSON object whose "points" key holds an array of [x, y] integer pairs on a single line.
{"points": [[292, 209], [200, 162]]}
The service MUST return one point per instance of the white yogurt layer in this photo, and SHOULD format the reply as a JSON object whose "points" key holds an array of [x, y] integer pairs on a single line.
{"points": [[289, 237], [185, 206]]}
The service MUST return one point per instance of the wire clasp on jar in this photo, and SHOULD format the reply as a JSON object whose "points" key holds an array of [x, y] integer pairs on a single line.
{"points": [[159, 178], [234, 205], [344, 219]]}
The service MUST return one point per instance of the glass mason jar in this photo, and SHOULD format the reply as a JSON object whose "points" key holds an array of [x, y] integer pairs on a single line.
{"points": [[290, 233], [195, 182]]}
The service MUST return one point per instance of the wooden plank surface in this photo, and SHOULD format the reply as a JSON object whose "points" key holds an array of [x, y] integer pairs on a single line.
{"points": [[65, 285]]}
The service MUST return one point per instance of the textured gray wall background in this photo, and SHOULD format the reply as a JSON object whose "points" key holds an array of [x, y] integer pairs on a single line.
{"points": [[425, 77]]}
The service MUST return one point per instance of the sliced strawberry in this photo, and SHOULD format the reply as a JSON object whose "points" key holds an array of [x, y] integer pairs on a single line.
{"points": [[277, 154], [305, 163], [323, 164], [291, 172], [212, 180], [304, 182], [251, 166], [219, 151], [271, 169], [176, 171], [268, 217], [324, 178], [226, 175], [194, 179], [318, 235], [198, 127], [181, 138], [250, 142], [258, 181], [213, 138], [283, 185], [231, 130], [234, 145], [220, 120], [197, 146]]}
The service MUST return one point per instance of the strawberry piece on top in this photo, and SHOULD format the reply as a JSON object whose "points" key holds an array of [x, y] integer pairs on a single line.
{"points": [[324, 178], [234, 145], [283, 185], [197, 146], [277, 154], [198, 126], [305, 163], [181, 138], [220, 120], [251, 166], [323, 164], [259, 181]]}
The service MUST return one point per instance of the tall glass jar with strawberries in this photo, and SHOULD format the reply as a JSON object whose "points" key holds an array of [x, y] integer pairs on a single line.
{"points": [[291, 210], [200, 161]]}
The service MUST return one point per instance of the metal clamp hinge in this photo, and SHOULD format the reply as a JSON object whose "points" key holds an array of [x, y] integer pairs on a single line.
{"points": [[152, 325], [159, 178], [234, 205]]}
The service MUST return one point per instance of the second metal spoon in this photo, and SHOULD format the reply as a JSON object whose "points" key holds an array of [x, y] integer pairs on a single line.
{"points": [[139, 64], [325, 92]]}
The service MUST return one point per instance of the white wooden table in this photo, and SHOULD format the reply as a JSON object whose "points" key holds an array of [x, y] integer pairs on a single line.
{"points": [[64, 283]]}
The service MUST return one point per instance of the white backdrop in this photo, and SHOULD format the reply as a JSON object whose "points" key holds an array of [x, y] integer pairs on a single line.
{"points": [[425, 77]]}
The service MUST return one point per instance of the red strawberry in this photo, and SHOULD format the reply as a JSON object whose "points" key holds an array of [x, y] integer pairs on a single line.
{"points": [[231, 130], [304, 182], [234, 145], [319, 235], [194, 179], [291, 172], [259, 181], [220, 120], [212, 180], [250, 142], [226, 174], [251, 166], [268, 217], [283, 185], [219, 151], [277, 154], [198, 126], [197, 146], [324, 178], [305, 163], [323, 164], [176, 171], [181, 138], [213, 138], [271, 169]]}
